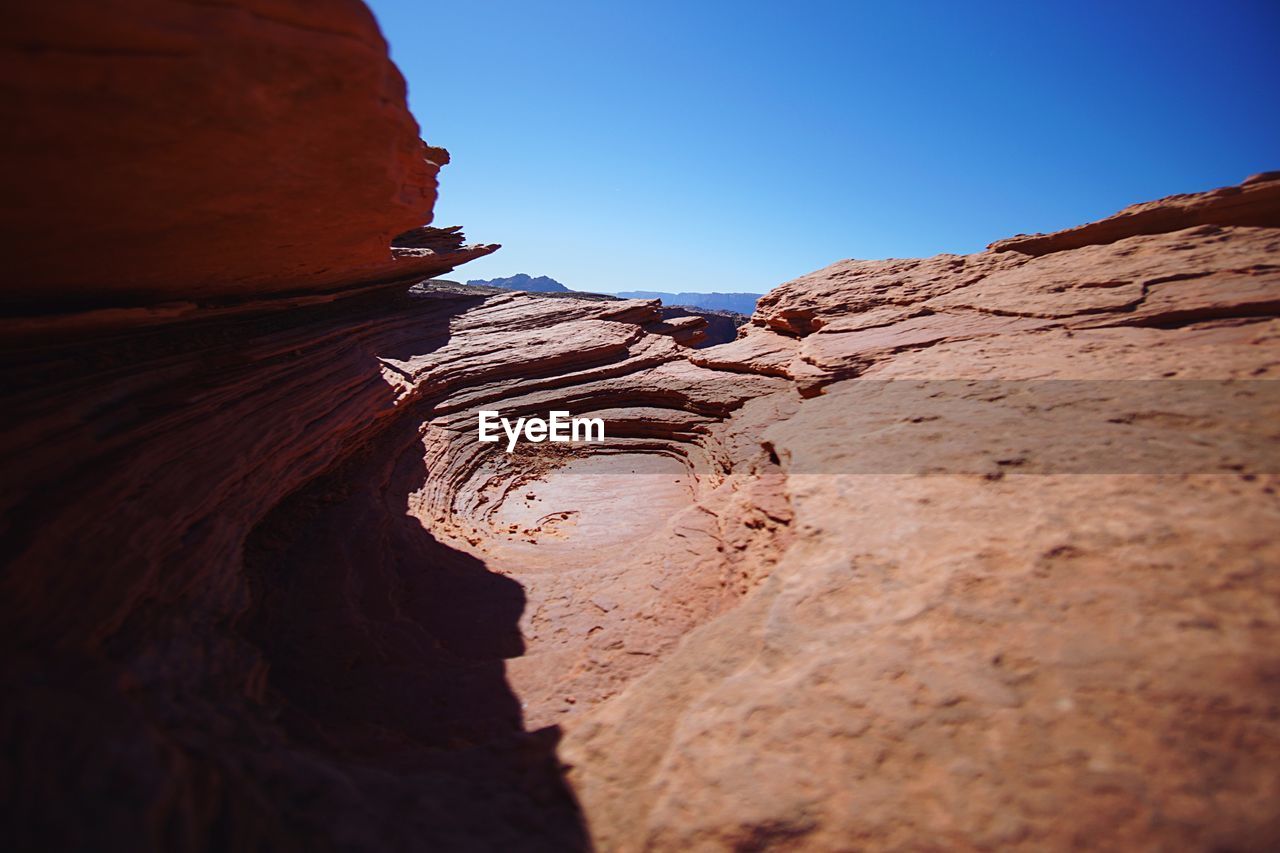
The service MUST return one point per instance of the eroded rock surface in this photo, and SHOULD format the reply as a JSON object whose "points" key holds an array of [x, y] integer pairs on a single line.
{"points": [[179, 152], [1011, 614], [1253, 202], [320, 563], [962, 552]]}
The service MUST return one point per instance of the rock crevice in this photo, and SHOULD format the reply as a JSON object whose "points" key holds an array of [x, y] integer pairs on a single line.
{"points": [[966, 551]]}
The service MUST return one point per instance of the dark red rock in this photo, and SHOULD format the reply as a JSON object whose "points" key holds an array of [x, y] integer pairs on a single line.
{"points": [[718, 327], [160, 151]]}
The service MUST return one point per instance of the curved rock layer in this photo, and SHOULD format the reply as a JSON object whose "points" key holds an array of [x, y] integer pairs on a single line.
{"points": [[289, 566], [963, 552], [1030, 596], [264, 584]]}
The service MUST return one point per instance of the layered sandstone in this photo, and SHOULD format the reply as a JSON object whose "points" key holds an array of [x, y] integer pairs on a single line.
{"points": [[793, 600], [1030, 596], [962, 552], [180, 152], [1253, 202]]}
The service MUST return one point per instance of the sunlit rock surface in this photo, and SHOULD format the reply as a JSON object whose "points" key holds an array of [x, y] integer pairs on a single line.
{"points": [[1030, 592], [963, 552]]}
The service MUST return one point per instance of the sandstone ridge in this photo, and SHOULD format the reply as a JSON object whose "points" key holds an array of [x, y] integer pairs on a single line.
{"points": [[227, 151], [824, 586]]}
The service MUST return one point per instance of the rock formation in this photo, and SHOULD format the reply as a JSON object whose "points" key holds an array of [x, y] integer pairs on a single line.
{"points": [[963, 552], [720, 327], [688, 325], [737, 303], [178, 152], [1028, 598]]}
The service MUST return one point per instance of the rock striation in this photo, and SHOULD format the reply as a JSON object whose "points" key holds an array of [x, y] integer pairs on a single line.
{"points": [[1253, 202], [960, 552], [179, 152], [990, 629]]}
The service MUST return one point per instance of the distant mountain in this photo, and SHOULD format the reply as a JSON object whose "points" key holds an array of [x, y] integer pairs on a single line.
{"points": [[739, 303], [523, 281]]}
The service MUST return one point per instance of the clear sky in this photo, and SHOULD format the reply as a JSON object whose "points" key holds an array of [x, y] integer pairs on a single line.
{"points": [[732, 146]]}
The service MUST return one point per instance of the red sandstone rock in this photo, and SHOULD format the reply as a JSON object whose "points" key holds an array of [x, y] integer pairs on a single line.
{"points": [[752, 616], [161, 151], [934, 555], [1006, 617], [717, 327], [1253, 202]]}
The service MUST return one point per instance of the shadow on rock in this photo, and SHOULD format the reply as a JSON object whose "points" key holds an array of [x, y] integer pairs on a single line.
{"points": [[386, 651], [243, 655]]}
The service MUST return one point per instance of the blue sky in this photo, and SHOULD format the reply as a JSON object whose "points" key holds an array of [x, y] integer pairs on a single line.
{"points": [[735, 145]]}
